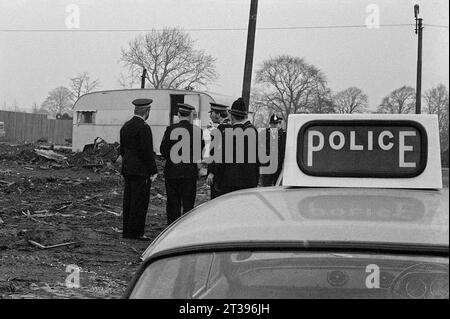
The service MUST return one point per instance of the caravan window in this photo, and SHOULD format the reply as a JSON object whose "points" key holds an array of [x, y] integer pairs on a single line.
{"points": [[86, 117]]}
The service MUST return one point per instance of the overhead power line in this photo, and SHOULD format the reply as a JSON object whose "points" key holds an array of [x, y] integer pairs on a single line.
{"points": [[436, 26], [355, 26]]}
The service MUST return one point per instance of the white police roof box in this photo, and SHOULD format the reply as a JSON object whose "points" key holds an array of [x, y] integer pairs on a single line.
{"points": [[376, 150]]}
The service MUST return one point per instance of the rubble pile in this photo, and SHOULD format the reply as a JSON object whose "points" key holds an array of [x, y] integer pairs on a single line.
{"points": [[17, 152], [99, 156]]}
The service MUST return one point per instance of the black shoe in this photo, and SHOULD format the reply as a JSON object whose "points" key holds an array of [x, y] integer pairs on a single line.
{"points": [[144, 238]]}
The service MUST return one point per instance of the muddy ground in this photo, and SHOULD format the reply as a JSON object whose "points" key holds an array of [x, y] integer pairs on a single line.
{"points": [[47, 203]]}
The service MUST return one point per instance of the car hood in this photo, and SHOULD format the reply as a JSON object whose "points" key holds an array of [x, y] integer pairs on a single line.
{"points": [[279, 214]]}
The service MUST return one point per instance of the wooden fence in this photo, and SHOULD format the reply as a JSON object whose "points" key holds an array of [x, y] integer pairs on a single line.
{"points": [[27, 127]]}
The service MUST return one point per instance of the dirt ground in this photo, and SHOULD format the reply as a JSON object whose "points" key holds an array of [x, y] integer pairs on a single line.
{"points": [[47, 203]]}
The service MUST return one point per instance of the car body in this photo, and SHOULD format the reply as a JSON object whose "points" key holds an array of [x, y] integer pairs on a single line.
{"points": [[352, 220], [328, 241]]}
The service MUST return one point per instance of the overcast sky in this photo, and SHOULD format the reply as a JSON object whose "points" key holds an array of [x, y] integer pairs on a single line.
{"points": [[376, 60]]}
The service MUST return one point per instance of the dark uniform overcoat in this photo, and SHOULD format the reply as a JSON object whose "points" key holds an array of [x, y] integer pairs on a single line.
{"points": [[138, 164]]}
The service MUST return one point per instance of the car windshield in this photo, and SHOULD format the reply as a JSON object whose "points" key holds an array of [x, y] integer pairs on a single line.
{"points": [[246, 274]]}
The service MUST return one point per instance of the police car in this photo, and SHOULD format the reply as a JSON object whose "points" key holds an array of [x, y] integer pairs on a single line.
{"points": [[362, 213]]}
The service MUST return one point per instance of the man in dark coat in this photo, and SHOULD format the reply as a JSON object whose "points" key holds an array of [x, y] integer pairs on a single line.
{"points": [[138, 168], [274, 134], [219, 117], [181, 146], [243, 169]]}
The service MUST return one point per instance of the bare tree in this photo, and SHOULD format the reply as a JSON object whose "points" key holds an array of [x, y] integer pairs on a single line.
{"points": [[399, 101], [58, 101], [290, 84], [82, 84], [260, 113], [128, 81], [170, 59], [437, 102], [322, 100], [351, 100]]}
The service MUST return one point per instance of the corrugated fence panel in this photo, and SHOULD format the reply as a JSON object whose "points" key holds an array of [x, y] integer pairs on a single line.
{"points": [[8, 119], [37, 127], [58, 133], [63, 131], [26, 127], [15, 120], [51, 130], [45, 130], [19, 123]]}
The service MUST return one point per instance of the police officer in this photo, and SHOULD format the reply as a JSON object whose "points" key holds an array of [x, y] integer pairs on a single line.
{"points": [[238, 174], [138, 168], [181, 174], [275, 133], [219, 118]]}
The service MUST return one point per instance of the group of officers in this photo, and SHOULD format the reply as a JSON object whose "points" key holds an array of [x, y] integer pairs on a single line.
{"points": [[140, 170]]}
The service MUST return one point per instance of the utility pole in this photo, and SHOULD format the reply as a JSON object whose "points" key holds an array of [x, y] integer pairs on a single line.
{"points": [[143, 76], [419, 31], [249, 52]]}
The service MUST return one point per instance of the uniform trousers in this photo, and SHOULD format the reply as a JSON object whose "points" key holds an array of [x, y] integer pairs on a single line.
{"points": [[181, 193], [135, 205], [214, 191]]}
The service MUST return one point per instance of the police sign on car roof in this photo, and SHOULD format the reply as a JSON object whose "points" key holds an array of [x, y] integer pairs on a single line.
{"points": [[389, 151]]}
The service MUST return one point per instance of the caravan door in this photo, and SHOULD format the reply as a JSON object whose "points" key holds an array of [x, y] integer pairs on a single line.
{"points": [[194, 100]]}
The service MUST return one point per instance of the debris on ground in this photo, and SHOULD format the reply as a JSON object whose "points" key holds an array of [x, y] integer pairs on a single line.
{"points": [[51, 155], [100, 156], [36, 244], [45, 202]]}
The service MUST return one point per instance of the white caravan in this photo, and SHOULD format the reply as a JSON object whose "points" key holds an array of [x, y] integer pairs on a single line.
{"points": [[102, 114]]}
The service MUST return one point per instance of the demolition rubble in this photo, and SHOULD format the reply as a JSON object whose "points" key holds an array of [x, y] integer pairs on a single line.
{"points": [[61, 211]]}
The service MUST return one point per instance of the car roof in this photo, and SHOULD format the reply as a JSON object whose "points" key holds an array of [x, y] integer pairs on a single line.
{"points": [[280, 214]]}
